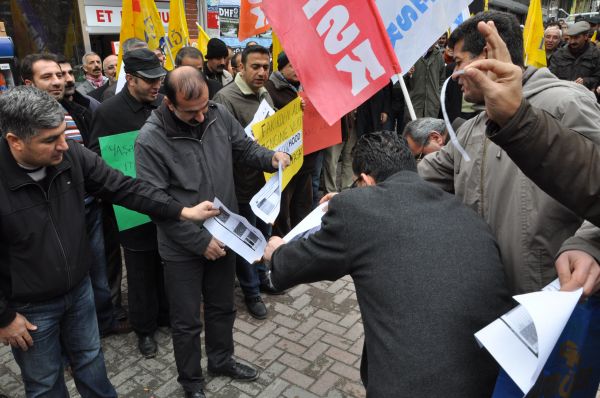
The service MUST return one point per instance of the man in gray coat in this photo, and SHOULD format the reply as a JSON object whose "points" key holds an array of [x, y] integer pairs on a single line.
{"points": [[187, 148], [427, 278]]}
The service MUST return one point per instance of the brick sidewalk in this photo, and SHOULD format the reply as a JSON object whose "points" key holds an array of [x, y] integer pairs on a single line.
{"points": [[309, 346]]}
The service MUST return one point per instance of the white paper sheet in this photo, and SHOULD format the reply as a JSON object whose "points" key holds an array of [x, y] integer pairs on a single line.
{"points": [[308, 226], [236, 233], [522, 339], [263, 112], [266, 204]]}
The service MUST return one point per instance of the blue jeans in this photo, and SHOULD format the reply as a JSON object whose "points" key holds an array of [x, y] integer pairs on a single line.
{"points": [[249, 274], [67, 323], [98, 275]]}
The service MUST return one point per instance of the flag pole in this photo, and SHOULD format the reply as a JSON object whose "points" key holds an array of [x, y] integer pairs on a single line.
{"points": [[409, 104], [168, 47]]}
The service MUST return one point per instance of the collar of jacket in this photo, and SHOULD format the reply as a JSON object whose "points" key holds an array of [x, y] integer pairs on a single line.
{"points": [[81, 99], [173, 129], [245, 89], [137, 106], [14, 175], [279, 81], [72, 107]]}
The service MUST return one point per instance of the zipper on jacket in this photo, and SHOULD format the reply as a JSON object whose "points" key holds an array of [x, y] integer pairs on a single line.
{"points": [[62, 249], [482, 177]]}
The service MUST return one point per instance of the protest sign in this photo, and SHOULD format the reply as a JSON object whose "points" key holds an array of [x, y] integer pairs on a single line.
{"points": [[414, 26], [283, 132], [118, 152], [340, 50], [317, 133]]}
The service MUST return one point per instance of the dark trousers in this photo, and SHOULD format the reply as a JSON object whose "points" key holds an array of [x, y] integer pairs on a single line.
{"points": [[250, 275], [296, 203], [189, 283], [148, 305], [112, 250]]}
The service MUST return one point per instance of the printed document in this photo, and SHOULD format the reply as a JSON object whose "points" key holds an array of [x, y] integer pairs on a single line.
{"points": [[522, 339], [236, 233], [266, 204], [263, 112], [308, 226]]}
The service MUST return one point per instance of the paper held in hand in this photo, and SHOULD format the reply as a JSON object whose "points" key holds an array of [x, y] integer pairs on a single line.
{"points": [[266, 204], [236, 233], [308, 226], [264, 111], [522, 339]]}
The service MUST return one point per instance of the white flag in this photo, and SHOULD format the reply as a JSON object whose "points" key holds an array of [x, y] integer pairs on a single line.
{"points": [[414, 26], [462, 17]]}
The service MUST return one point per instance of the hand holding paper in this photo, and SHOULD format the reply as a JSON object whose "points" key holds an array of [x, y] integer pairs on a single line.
{"points": [[577, 269], [273, 245], [200, 212], [283, 158]]}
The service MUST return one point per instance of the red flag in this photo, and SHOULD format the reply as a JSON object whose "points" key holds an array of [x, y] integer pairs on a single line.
{"points": [[252, 19], [317, 134], [339, 49]]}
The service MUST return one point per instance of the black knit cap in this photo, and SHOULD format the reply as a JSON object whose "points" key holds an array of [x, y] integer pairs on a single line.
{"points": [[143, 62], [282, 60], [216, 48]]}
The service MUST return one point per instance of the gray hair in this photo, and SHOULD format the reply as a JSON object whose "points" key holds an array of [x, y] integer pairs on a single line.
{"points": [[419, 129], [553, 27], [25, 110], [84, 58], [133, 44]]}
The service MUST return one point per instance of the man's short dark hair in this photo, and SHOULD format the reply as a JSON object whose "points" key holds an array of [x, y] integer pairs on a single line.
{"points": [[474, 42], [253, 49], [29, 60], [382, 154], [188, 51], [189, 82]]}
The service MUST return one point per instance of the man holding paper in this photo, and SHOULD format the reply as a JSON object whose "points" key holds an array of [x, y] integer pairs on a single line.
{"points": [[427, 277], [242, 98], [187, 148]]}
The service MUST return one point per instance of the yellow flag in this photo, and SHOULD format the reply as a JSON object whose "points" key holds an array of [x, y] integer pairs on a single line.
{"points": [[276, 49], [202, 40], [140, 19], [533, 36], [485, 5], [574, 7], [178, 35]]}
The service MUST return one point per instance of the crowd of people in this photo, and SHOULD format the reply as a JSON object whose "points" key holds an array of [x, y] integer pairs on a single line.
{"points": [[436, 245]]}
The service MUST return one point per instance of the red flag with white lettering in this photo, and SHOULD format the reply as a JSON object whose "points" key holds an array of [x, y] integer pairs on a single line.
{"points": [[252, 19], [339, 49]]}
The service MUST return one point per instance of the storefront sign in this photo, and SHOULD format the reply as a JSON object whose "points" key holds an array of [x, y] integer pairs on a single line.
{"points": [[105, 16]]}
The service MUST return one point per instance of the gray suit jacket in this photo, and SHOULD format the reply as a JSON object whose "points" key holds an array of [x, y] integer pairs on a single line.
{"points": [[427, 274]]}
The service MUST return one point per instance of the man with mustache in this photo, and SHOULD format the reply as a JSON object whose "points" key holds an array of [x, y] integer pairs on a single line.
{"points": [[579, 61], [109, 66], [216, 62], [92, 66], [242, 98], [128, 111]]}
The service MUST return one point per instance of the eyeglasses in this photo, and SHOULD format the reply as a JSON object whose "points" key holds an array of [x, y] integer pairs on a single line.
{"points": [[149, 80], [355, 183]]}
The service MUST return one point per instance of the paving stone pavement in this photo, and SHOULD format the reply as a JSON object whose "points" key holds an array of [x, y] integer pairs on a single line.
{"points": [[309, 346]]}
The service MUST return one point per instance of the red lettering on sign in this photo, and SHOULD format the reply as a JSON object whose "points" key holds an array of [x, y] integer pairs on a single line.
{"points": [[100, 16], [109, 15]]}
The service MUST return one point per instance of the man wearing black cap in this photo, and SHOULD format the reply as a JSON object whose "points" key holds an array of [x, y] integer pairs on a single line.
{"points": [[216, 62], [128, 111], [579, 61]]}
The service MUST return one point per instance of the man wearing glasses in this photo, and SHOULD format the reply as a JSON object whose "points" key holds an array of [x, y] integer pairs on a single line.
{"points": [[128, 111]]}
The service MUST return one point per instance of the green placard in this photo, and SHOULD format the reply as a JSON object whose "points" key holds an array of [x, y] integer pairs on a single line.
{"points": [[118, 152]]}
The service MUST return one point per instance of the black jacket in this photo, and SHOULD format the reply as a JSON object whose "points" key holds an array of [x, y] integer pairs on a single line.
{"points": [[567, 66], [79, 110], [119, 114], [44, 249], [420, 301]]}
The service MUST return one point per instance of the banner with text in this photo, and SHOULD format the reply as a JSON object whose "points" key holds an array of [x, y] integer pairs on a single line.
{"points": [[414, 26], [118, 152], [252, 19], [317, 133], [283, 132], [349, 42]]}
